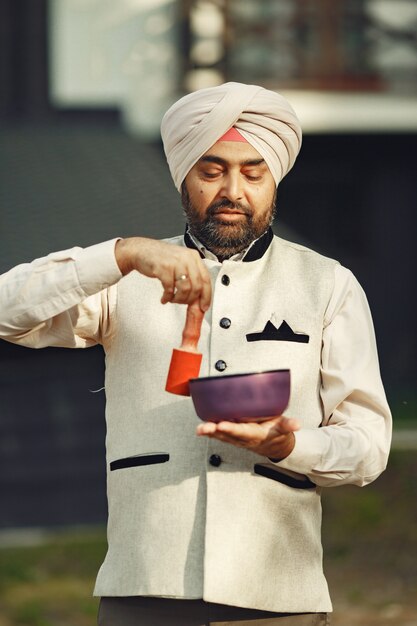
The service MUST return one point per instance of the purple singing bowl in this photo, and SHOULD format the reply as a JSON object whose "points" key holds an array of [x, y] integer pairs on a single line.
{"points": [[241, 397]]}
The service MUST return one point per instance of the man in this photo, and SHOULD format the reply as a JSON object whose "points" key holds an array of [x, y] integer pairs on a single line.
{"points": [[222, 527]]}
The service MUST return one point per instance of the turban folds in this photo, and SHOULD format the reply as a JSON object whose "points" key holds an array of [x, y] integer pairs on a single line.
{"points": [[264, 118]]}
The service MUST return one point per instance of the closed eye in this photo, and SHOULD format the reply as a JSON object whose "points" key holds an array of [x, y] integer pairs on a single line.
{"points": [[211, 174], [254, 174]]}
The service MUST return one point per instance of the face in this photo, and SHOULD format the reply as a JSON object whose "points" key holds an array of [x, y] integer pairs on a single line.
{"points": [[229, 197]]}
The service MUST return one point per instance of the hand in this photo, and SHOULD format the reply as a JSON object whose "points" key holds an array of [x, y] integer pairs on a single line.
{"points": [[273, 437], [167, 262]]}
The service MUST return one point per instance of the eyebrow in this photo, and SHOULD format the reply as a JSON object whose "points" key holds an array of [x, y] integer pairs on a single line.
{"points": [[209, 158]]}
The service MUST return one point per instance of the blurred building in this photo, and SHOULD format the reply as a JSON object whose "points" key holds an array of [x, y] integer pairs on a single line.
{"points": [[83, 85], [352, 45]]}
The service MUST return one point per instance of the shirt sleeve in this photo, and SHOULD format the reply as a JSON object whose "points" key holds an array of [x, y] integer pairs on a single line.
{"points": [[353, 443], [64, 299]]}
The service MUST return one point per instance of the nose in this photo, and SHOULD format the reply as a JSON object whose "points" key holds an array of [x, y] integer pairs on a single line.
{"points": [[232, 187]]}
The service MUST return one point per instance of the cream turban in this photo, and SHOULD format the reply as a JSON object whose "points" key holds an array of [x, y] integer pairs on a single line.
{"points": [[264, 118]]}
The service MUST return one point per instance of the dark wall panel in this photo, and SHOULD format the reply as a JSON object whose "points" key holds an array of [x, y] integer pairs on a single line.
{"points": [[52, 433]]}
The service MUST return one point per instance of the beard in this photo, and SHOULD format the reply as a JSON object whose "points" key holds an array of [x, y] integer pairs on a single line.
{"points": [[224, 238]]}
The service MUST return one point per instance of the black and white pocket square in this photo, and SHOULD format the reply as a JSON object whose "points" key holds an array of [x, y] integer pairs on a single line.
{"points": [[283, 333]]}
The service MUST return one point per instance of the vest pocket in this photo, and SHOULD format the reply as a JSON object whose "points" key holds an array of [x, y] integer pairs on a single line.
{"points": [[285, 479], [149, 458]]}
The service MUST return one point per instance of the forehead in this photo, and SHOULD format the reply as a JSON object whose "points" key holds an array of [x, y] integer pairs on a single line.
{"points": [[233, 152]]}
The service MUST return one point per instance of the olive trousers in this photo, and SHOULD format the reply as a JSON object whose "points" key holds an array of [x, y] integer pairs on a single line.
{"points": [[144, 611]]}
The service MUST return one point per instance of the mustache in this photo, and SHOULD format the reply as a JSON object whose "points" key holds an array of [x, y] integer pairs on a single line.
{"points": [[216, 207]]}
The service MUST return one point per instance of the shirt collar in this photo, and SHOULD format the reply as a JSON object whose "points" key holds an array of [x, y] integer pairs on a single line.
{"points": [[255, 251]]}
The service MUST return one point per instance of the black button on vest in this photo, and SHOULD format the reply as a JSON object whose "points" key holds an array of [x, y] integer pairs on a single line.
{"points": [[220, 365], [225, 322], [215, 460], [225, 280]]}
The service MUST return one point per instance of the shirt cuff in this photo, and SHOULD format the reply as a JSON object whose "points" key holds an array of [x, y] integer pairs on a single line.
{"points": [[307, 452], [97, 267]]}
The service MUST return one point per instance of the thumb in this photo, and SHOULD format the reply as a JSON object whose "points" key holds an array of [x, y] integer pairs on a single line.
{"points": [[285, 425]]}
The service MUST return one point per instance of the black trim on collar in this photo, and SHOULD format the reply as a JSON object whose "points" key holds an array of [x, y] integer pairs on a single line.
{"points": [[253, 254], [259, 247], [190, 243]]}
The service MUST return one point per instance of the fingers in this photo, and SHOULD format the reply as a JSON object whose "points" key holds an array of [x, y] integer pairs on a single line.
{"points": [[207, 428], [279, 425], [249, 434], [169, 291], [193, 284], [183, 275], [212, 430], [187, 280], [266, 441], [238, 434]]}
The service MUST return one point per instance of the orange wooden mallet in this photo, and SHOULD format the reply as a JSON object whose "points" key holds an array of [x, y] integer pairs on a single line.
{"points": [[185, 362]]}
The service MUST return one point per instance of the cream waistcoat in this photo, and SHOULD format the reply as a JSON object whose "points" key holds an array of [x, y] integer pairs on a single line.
{"points": [[183, 527]]}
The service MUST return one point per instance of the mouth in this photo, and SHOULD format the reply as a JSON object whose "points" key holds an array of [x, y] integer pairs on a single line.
{"points": [[229, 214]]}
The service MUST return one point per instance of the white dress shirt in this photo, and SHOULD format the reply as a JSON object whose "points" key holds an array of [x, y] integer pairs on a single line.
{"points": [[66, 299]]}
